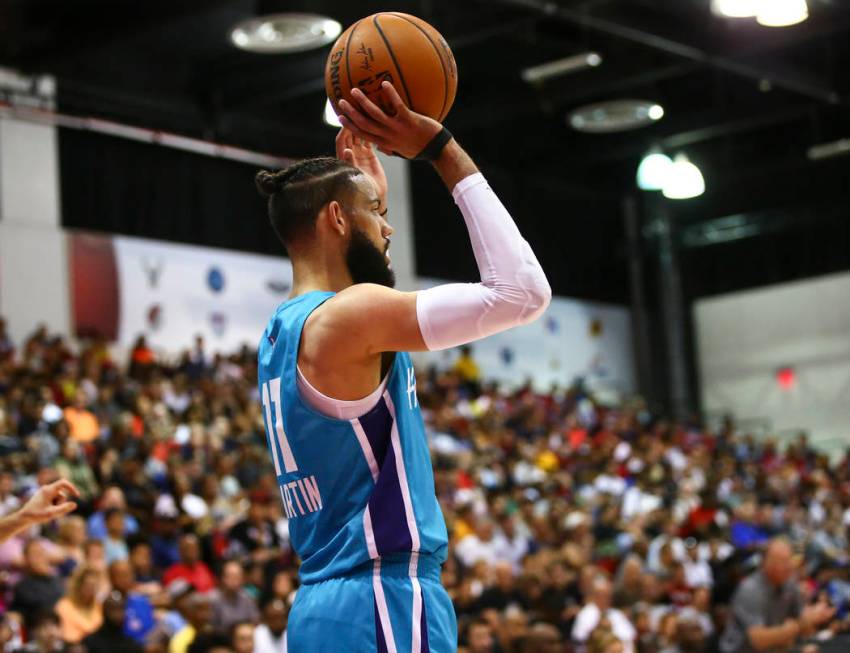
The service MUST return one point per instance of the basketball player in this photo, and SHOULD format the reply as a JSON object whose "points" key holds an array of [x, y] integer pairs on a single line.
{"points": [[339, 393]]}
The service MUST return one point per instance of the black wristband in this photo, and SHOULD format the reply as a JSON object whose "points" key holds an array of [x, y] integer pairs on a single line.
{"points": [[433, 150]]}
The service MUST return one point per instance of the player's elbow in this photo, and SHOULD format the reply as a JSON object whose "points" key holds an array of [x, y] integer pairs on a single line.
{"points": [[538, 296]]}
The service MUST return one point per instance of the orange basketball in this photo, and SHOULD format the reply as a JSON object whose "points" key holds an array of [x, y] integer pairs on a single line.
{"points": [[399, 48]]}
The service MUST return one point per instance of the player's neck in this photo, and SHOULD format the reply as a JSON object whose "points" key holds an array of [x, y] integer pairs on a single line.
{"points": [[309, 275]]}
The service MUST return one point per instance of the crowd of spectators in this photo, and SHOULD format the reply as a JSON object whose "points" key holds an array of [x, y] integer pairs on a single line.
{"points": [[574, 526]]}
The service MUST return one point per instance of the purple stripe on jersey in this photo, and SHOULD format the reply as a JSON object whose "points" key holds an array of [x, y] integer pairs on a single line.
{"points": [[423, 627], [378, 424], [386, 506], [380, 640]]}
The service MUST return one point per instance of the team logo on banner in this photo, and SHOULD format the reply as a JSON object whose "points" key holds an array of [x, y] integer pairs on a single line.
{"points": [[218, 323], [154, 317], [277, 286], [153, 269], [215, 279]]}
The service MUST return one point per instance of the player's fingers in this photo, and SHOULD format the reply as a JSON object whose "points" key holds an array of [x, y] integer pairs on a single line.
{"points": [[348, 155], [361, 120], [362, 133], [62, 486], [53, 512], [370, 108], [392, 96]]}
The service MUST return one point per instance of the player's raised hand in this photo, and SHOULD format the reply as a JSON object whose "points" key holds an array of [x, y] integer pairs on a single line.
{"points": [[402, 132], [359, 152], [50, 502]]}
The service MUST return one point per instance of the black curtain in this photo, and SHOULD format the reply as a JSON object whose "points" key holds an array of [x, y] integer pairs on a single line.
{"points": [[120, 186]]}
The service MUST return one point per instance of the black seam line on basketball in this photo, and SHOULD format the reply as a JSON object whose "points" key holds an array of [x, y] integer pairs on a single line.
{"points": [[439, 58], [347, 50], [395, 63]]}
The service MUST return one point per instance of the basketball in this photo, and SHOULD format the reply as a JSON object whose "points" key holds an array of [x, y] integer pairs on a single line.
{"points": [[401, 49]]}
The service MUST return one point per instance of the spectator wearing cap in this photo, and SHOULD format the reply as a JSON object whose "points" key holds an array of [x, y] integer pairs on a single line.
{"points": [[270, 635], [767, 611], [597, 608], [165, 543], [110, 637], [230, 602]]}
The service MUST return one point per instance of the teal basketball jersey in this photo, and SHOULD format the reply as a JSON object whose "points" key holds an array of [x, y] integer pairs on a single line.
{"points": [[359, 492]]}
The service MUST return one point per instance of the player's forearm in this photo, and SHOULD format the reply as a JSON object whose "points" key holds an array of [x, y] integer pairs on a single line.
{"points": [[454, 164], [513, 289], [12, 524]]}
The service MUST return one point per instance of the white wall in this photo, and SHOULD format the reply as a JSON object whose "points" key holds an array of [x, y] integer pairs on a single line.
{"points": [[744, 338], [33, 262]]}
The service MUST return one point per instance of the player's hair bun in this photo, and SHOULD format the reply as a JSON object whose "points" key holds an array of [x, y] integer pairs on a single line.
{"points": [[268, 183]]}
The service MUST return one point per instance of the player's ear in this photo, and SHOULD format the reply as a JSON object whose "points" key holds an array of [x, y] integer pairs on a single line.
{"points": [[337, 222]]}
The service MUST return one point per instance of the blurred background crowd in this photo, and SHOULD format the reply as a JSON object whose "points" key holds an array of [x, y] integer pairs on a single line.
{"points": [[575, 526]]}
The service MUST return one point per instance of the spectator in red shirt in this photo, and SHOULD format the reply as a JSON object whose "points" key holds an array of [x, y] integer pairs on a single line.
{"points": [[190, 567]]}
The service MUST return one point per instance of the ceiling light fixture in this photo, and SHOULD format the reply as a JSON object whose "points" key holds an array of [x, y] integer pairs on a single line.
{"points": [[736, 8], [541, 73], [782, 13], [284, 33], [685, 180], [654, 170], [330, 116], [615, 116]]}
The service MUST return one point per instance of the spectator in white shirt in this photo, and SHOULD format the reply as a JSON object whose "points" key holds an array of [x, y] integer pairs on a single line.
{"points": [[598, 607], [270, 635], [481, 545]]}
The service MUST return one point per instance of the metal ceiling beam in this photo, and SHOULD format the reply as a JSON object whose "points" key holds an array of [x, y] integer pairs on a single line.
{"points": [[802, 82]]}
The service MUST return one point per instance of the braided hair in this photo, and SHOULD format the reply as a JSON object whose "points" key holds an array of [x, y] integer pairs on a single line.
{"points": [[298, 193]]}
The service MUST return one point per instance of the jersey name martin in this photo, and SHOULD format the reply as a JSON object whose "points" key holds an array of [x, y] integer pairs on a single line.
{"points": [[300, 497]]}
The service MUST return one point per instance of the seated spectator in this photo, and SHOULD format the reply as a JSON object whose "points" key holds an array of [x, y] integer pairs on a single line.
{"points": [[255, 536], [597, 608], [628, 587], [72, 464], [767, 610], [114, 546], [199, 614], [82, 423], [113, 497], [211, 642], [542, 638], [479, 638], [70, 541], [137, 607], [242, 637], [482, 545], [270, 635], [689, 638], [45, 634], [40, 588], [190, 567], [111, 637], [231, 603], [80, 612]]}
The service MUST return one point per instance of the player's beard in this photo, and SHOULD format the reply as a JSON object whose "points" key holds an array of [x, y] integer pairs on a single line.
{"points": [[367, 263]]}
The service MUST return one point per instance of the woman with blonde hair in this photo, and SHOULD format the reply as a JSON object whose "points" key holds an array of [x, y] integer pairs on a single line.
{"points": [[80, 611]]}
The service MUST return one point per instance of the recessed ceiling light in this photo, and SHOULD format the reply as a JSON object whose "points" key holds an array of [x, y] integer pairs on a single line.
{"points": [[615, 116], [281, 33]]}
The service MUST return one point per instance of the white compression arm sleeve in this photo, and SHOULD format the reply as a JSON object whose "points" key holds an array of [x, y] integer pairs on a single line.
{"points": [[513, 288]]}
